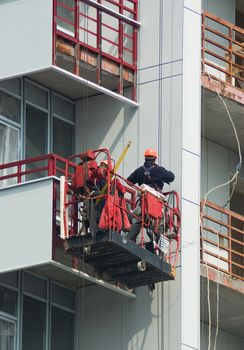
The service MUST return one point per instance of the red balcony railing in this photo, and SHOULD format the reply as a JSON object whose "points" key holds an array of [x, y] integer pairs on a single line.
{"points": [[97, 40], [222, 50], [222, 243], [34, 168]]}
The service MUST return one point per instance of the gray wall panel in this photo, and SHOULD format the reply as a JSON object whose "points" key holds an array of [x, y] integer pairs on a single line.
{"points": [[26, 225], [225, 341], [148, 48], [171, 27], [113, 322], [26, 36]]}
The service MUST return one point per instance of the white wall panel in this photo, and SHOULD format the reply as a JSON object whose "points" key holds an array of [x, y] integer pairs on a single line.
{"points": [[190, 176], [191, 140], [171, 30], [25, 36], [190, 270], [191, 81], [195, 5], [26, 225], [148, 43]]}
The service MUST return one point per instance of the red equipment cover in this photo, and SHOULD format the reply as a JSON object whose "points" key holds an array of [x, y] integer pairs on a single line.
{"points": [[153, 207], [84, 172], [114, 217]]}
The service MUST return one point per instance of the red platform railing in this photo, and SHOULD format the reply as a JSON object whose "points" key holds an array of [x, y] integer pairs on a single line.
{"points": [[100, 33], [37, 167], [222, 240], [222, 50]]}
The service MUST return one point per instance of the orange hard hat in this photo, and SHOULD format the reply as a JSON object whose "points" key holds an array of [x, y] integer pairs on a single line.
{"points": [[150, 152]]}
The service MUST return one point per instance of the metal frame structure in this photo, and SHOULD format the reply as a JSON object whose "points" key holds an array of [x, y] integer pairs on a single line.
{"points": [[94, 56], [223, 240], [223, 42], [113, 255]]}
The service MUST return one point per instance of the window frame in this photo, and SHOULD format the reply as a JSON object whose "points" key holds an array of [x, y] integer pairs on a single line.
{"points": [[15, 323]]}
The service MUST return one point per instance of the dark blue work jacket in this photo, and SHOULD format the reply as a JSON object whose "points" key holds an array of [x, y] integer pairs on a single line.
{"points": [[151, 174]]}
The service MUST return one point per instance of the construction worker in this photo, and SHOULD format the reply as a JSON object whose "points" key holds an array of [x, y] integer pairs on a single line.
{"points": [[152, 175]]}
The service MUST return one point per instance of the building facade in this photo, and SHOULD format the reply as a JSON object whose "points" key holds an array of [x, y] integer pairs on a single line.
{"points": [[80, 74]]}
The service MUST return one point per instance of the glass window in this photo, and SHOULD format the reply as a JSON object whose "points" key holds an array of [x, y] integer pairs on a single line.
{"points": [[63, 108], [9, 107], [10, 278], [11, 85], [34, 324], [62, 331], [36, 95], [35, 285], [8, 301], [67, 13], [9, 151], [63, 297], [63, 138], [7, 334], [9, 143], [36, 132]]}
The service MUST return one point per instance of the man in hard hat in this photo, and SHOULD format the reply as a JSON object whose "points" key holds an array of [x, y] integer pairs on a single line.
{"points": [[152, 175]]}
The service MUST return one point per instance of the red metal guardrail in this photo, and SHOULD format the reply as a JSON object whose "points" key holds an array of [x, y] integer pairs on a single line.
{"points": [[222, 240], [222, 50], [102, 34], [37, 167]]}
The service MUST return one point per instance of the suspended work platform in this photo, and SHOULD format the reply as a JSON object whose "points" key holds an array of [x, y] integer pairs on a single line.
{"points": [[121, 260]]}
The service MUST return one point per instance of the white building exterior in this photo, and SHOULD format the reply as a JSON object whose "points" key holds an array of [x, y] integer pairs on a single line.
{"points": [[47, 107]]}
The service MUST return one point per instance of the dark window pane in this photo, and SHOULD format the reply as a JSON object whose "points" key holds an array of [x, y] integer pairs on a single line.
{"points": [[63, 108], [36, 132], [8, 301], [35, 285], [62, 296], [36, 139], [12, 85], [36, 95], [34, 324], [10, 278], [9, 107], [62, 332], [63, 138]]}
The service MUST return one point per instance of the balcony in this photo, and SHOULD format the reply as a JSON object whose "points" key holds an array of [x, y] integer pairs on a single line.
{"points": [[222, 261], [222, 245], [222, 73], [78, 48], [223, 56]]}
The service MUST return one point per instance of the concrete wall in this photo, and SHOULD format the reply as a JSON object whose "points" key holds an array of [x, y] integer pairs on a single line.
{"points": [[225, 341], [222, 8], [169, 317], [218, 165], [26, 36], [26, 225]]}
